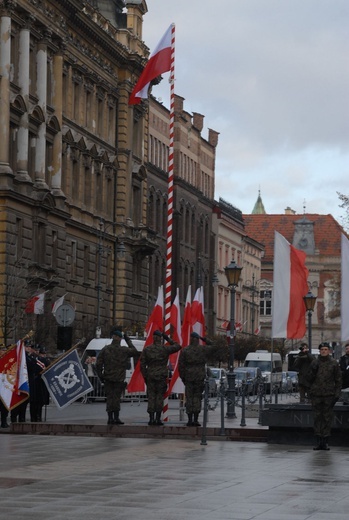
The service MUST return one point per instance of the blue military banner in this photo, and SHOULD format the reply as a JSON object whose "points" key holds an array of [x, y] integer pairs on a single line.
{"points": [[66, 380]]}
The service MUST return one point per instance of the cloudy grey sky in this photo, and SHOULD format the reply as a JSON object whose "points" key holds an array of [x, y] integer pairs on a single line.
{"points": [[272, 76]]}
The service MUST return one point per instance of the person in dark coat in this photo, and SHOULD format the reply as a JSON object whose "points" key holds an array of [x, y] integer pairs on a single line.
{"points": [[154, 369], [326, 384], [111, 366], [39, 396], [301, 365], [344, 366], [192, 369]]}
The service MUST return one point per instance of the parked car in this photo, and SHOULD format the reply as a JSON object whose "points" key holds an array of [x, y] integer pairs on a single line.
{"points": [[251, 375], [289, 382], [219, 374], [212, 383]]}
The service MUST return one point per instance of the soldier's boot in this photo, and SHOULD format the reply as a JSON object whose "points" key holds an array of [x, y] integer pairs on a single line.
{"points": [[190, 419], [116, 419], [151, 419], [325, 445], [4, 423], [318, 443], [110, 418], [196, 420], [158, 421]]}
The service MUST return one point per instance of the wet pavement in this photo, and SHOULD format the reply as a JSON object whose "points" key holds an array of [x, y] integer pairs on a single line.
{"points": [[87, 477]]}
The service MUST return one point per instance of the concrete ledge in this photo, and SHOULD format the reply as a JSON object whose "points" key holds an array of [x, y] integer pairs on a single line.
{"points": [[293, 424], [134, 431]]}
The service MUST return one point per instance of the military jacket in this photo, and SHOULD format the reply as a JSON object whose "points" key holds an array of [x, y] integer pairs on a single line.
{"points": [[113, 361], [192, 361], [327, 377], [302, 364], [154, 359]]}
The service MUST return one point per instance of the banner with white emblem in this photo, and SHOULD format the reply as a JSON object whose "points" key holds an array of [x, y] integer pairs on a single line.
{"points": [[66, 380]]}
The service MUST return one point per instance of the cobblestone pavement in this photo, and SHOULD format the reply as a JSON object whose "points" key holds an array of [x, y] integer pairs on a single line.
{"points": [[92, 478]]}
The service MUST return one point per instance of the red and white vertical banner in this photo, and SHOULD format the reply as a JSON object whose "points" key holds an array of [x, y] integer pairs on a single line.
{"points": [[345, 289], [169, 243], [290, 286], [198, 313]]}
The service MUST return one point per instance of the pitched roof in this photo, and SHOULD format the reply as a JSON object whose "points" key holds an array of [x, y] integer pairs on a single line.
{"points": [[327, 231]]}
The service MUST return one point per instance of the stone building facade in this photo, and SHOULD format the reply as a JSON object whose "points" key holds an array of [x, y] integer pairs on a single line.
{"points": [[194, 239], [73, 185]]}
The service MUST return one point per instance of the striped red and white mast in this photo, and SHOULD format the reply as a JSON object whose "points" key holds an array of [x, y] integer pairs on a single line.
{"points": [[169, 242]]}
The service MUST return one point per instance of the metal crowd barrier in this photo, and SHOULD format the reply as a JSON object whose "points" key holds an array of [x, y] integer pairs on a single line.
{"points": [[98, 392]]}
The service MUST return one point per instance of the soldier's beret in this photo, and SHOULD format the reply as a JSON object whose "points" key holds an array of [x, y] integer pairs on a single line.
{"points": [[157, 333], [195, 335]]}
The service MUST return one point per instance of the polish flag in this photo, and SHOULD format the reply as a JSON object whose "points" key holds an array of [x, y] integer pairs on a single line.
{"points": [[175, 320], [155, 322], [156, 319], [345, 289], [14, 383], [36, 304], [186, 324], [197, 313], [57, 304], [176, 384], [290, 286], [159, 63]]}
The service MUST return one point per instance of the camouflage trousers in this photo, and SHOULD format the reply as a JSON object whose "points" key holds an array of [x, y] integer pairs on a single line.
{"points": [[113, 392], [193, 396], [155, 392], [323, 415]]}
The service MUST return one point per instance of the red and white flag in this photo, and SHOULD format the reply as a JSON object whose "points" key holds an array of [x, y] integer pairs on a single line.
{"points": [[158, 63], [290, 286], [345, 289], [186, 324], [14, 384], [36, 304], [156, 319], [175, 320], [155, 322], [176, 385], [197, 313], [57, 304]]}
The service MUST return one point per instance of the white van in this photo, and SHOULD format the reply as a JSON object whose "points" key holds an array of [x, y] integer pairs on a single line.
{"points": [[269, 364], [92, 350]]}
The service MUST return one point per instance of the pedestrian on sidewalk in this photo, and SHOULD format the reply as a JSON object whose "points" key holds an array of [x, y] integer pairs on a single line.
{"points": [[111, 365], [192, 369], [301, 365], [326, 382], [154, 369]]}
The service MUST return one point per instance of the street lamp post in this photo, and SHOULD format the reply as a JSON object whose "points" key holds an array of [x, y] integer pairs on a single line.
{"points": [[309, 300], [232, 272]]}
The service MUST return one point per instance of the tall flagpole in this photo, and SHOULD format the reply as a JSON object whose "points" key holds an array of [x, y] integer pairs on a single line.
{"points": [[168, 281]]}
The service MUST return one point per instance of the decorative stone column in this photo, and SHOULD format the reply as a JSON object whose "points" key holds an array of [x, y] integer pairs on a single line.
{"points": [[57, 100], [23, 82], [41, 92], [6, 8]]}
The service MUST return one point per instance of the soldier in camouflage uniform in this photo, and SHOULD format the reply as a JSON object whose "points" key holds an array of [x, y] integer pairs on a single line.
{"points": [[154, 369], [192, 369], [326, 382], [111, 366]]}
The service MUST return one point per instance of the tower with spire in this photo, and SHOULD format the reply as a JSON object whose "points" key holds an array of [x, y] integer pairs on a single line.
{"points": [[259, 206]]}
